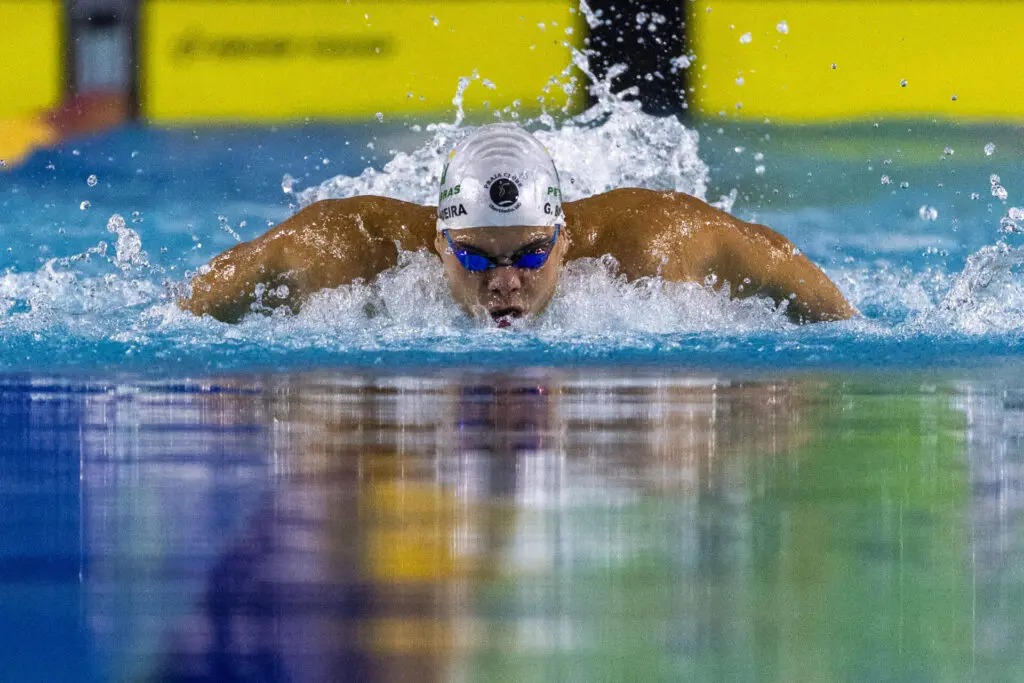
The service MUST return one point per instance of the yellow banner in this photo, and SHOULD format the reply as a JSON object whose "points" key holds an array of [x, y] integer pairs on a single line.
{"points": [[799, 60], [31, 56], [272, 60]]}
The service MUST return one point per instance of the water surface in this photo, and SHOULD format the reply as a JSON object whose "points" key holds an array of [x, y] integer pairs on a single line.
{"points": [[537, 524]]}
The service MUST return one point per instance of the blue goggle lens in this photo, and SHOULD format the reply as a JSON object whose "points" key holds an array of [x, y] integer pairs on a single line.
{"points": [[475, 262], [471, 261]]}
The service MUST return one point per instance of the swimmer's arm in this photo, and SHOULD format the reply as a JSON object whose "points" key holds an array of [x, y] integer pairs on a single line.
{"points": [[327, 244], [226, 288], [756, 260]]}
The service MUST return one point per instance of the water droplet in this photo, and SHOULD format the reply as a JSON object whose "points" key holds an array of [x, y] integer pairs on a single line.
{"points": [[434, 20], [834, 66], [92, 180], [990, 149], [975, 196], [222, 222], [928, 213], [904, 185], [886, 180], [947, 152], [739, 80], [379, 116], [746, 38], [998, 191], [1008, 225], [903, 83], [759, 169], [1013, 221], [782, 27], [84, 205], [954, 98], [681, 62]]}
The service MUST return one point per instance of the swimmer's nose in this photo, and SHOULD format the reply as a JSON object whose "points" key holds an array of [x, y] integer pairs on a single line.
{"points": [[504, 281]]}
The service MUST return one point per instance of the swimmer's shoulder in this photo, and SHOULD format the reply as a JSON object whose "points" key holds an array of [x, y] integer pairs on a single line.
{"points": [[380, 217], [626, 201], [634, 212], [370, 206]]}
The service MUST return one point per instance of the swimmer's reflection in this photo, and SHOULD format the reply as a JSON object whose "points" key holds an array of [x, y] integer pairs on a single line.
{"points": [[400, 503]]}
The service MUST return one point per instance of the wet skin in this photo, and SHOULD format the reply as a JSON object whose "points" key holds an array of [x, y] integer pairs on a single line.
{"points": [[648, 232], [504, 291]]}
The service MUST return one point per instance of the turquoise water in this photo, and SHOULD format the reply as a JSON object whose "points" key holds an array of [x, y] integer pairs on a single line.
{"points": [[648, 481], [909, 220]]}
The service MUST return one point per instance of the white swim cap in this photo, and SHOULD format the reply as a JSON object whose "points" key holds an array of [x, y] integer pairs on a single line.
{"points": [[499, 175]]}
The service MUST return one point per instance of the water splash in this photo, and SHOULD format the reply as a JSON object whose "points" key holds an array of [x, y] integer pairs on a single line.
{"points": [[987, 296], [128, 253], [595, 151]]}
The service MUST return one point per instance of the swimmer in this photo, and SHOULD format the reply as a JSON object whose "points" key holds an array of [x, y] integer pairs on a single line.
{"points": [[503, 235]]}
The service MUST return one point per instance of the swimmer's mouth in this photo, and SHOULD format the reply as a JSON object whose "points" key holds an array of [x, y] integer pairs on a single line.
{"points": [[502, 316]]}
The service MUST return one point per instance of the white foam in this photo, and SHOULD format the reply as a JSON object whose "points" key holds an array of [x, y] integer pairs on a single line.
{"points": [[411, 304]]}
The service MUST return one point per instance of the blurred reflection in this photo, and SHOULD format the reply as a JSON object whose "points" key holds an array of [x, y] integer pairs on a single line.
{"points": [[170, 473], [407, 509], [41, 558], [555, 524], [995, 443]]}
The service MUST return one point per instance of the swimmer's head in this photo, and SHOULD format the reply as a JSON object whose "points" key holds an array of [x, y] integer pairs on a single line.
{"points": [[499, 176], [500, 223]]}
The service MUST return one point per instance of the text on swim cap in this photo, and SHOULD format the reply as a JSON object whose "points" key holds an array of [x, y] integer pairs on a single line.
{"points": [[448, 212], [450, 192]]}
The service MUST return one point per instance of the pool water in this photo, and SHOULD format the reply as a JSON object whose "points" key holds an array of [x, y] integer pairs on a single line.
{"points": [[648, 481], [545, 524]]}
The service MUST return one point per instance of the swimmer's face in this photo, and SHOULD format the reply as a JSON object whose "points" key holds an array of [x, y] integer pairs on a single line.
{"points": [[504, 291]]}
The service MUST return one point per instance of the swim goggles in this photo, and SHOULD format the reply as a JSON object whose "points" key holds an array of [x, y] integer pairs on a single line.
{"points": [[531, 258]]}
